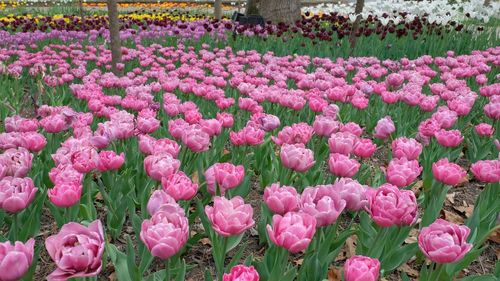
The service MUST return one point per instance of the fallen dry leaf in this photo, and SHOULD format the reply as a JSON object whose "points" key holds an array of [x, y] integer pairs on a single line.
{"points": [[351, 246], [412, 237], [205, 241], [194, 177], [334, 274], [298, 262], [453, 217], [112, 277], [495, 237], [498, 253], [451, 197], [417, 187], [465, 209], [408, 270]]}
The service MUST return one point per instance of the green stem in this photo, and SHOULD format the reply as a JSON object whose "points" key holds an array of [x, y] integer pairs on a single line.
{"points": [[167, 269], [435, 274], [374, 251], [14, 227], [222, 257]]}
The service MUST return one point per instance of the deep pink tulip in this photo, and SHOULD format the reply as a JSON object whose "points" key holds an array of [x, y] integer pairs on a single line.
{"points": [[342, 142], [179, 186], [486, 170], [109, 160], [388, 206], [269, 122], [147, 125], [196, 139], [85, 159], [293, 231], [405, 147], [17, 162], [281, 200], [394, 80], [361, 268], [15, 260], [341, 166], [158, 199], [444, 242], [225, 175], [165, 233], [325, 126], [65, 194], [161, 165], [54, 123], [451, 138], [352, 192], [448, 173], [230, 216], [385, 127], [65, 173], [484, 130], [297, 157], [297, 133], [16, 193], [20, 124], [323, 203], [364, 148], [77, 251], [352, 128], [428, 127], [226, 119], [402, 172], [212, 127], [241, 273], [177, 128], [34, 141]]}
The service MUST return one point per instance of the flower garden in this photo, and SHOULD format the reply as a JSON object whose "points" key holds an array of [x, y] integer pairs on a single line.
{"points": [[214, 150]]}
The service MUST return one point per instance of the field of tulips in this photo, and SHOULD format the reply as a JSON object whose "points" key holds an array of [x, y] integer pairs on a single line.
{"points": [[228, 152]]}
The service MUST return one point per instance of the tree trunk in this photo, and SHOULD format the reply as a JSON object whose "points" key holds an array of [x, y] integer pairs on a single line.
{"points": [[218, 9], [114, 34], [287, 11], [251, 8], [358, 10]]}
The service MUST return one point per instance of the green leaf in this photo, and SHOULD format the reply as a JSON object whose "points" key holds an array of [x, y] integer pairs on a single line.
{"points": [[399, 257], [119, 260], [233, 242], [488, 277]]}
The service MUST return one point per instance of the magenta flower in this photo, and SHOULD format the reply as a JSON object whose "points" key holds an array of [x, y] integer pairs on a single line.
{"points": [[486, 170], [444, 242], [323, 203], [451, 138], [364, 148], [293, 231], [230, 216], [109, 160], [196, 139], [161, 165], [402, 172], [484, 130], [158, 199], [352, 192], [241, 273], [281, 200], [405, 147], [17, 162], [225, 175], [297, 157], [385, 127], [341, 166], [325, 126], [361, 268], [342, 142], [85, 159], [448, 173], [77, 251], [388, 206], [16, 193], [15, 260], [179, 186]]}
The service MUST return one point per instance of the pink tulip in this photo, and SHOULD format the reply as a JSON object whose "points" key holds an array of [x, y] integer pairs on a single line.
{"points": [[16, 193], [297, 157], [325, 126], [15, 260], [65, 173], [269, 122], [297, 133], [364, 148], [85, 159], [448, 173], [54, 123], [161, 165], [160, 198], [281, 200], [388, 206], [212, 127], [165, 233], [402, 172], [486, 170], [177, 128], [331, 110], [147, 125], [342, 143], [385, 127], [484, 130], [428, 127], [293, 231], [109, 160], [323, 203], [341, 166], [352, 192], [361, 268], [77, 251], [34, 141], [451, 138], [395, 80], [405, 147], [444, 242], [230, 216], [241, 273], [226, 119], [196, 139], [352, 128], [179, 186], [225, 175], [20, 124], [65, 194], [17, 162]]}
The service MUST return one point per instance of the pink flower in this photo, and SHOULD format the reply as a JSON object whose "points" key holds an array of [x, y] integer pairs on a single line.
{"points": [[402, 172], [444, 242], [177, 127], [230, 216], [297, 157], [253, 136], [325, 125], [65, 173], [451, 138], [394, 80], [158, 199], [364, 148], [65, 194], [297, 133], [165, 233], [17, 162], [486, 170], [77, 251], [161, 165], [323, 203], [241, 273], [388, 206], [147, 124], [226, 119], [269, 122], [54, 123], [484, 130], [341, 166], [293, 231], [428, 127], [212, 127], [448, 173], [352, 128], [109, 160], [85, 159], [15, 260], [196, 139], [281, 200], [385, 127], [352, 192], [225, 175], [34, 141], [361, 268], [342, 143], [20, 124], [16, 193], [179, 186], [405, 147]]}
